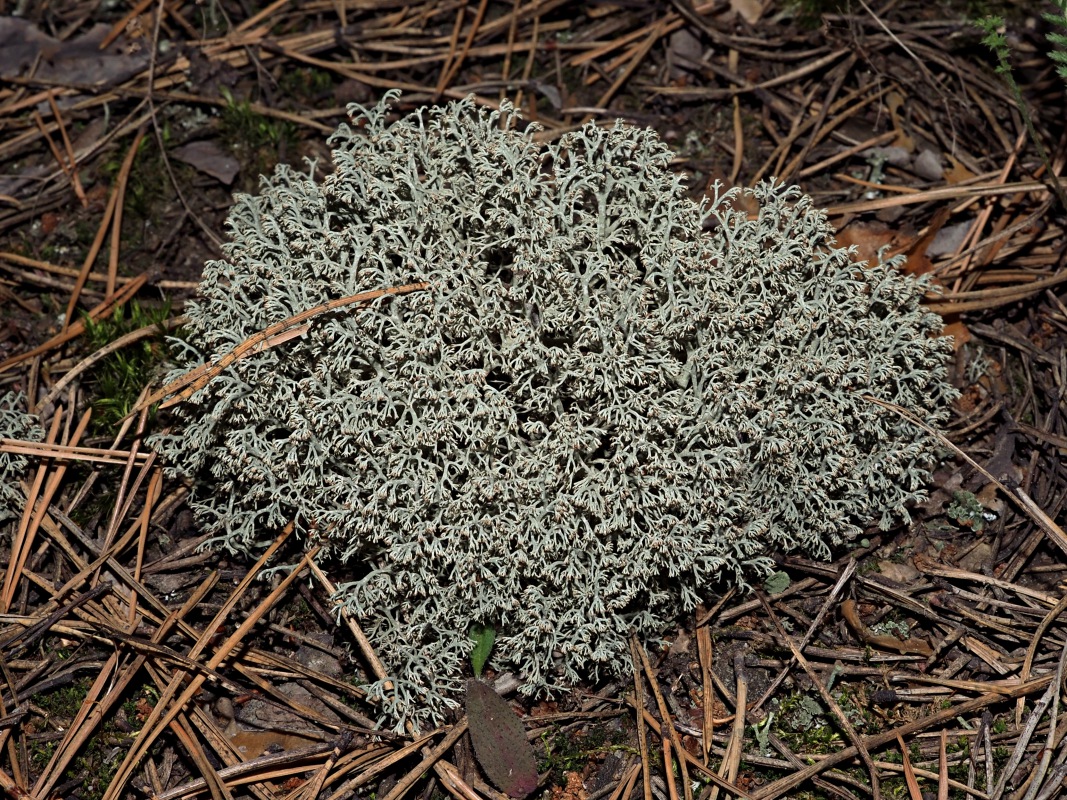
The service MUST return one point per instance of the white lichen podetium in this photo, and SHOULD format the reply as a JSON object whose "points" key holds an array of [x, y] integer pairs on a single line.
{"points": [[602, 405]]}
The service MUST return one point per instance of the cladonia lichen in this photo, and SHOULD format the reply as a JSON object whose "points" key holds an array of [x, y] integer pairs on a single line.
{"points": [[15, 424], [608, 398]]}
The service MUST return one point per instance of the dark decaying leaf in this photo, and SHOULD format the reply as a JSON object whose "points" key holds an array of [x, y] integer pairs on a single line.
{"points": [[209, 158], [500, 743]]}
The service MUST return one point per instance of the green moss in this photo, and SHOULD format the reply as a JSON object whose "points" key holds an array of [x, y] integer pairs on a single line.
{"points": [[566, 751], [97, 761], [62, 704], [117, 380], [148, 188]]}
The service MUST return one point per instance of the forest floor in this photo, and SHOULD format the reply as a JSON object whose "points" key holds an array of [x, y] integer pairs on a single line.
{"points": [[922, 662]]}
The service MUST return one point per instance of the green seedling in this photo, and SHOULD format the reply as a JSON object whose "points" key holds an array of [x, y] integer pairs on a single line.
{"points": [[484, 637]]}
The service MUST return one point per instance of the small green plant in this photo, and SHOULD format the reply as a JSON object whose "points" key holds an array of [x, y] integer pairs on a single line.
{"points": [[63, 703], [484, 636], [117, 380], [254, 137], [1058, 39], [777, 582], [98, 759], [809, 13], [996, 40], [306, 83]]}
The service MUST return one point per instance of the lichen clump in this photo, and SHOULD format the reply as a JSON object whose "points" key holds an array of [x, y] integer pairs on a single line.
{"points": [[15, 423], [608, 398]]}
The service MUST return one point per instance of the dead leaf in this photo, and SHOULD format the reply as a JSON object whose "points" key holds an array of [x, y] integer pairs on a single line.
{"points": [[751, 11], [899, 571], [912, 646], [499, 739], [26, 51], [867, 237], [210, 159], [977, 558], [959, 332], [958, 173], [916, 251], [894, 101]]}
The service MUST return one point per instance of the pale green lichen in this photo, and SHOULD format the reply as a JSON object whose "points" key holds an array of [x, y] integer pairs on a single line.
{"points": [[608, 398], [16, 424]]}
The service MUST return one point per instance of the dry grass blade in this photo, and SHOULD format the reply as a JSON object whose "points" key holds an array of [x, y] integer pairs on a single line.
{"points": [[454, 783], [711, 776], [909, 773], [109, 212], [90, 714], [816, 623], [667, 732], [168, 708], [98, 703], [942, 765], [271, 766], [1050, 702], [455, 62], [639, 705], [27, 531], [1032, 510], [790, 782], [311, 790], [731, 758], [626, 783], [707, 717], [187, 739], [116, 219], [1031, 650], [962, 190], [430, 759], [387, 761], [63, 452], [377, 668]]}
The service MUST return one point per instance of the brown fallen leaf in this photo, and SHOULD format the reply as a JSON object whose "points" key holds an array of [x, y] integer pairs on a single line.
{"points": [[78, 61], [210, 159], [500, 743], [867, 237]]}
